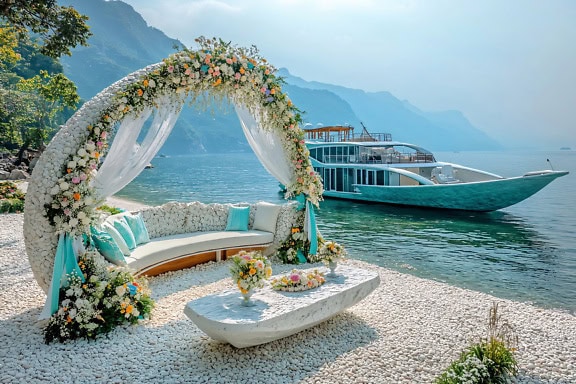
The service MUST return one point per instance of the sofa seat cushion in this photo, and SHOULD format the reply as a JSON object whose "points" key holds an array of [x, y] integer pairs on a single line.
{"points": [[163, 249]]}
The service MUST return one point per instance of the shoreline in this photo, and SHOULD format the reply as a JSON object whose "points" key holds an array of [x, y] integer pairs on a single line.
{"points": [[124, 203], [407, 331]]}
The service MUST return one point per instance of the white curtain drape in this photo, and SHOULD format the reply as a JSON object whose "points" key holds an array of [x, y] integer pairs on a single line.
{"points": [[126, 157], [267, 145]]}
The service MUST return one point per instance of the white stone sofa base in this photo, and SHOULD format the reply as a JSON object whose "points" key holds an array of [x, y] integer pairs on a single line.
{"points": [[184, 250], [278, 314]]}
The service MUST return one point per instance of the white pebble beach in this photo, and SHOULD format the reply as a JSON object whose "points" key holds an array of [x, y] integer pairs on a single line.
{"points": [[407, 331]]}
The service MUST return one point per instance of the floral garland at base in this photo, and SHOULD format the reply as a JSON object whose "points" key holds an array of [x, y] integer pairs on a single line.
{"points": [[296, 242], [109, 297], [298, 280]]}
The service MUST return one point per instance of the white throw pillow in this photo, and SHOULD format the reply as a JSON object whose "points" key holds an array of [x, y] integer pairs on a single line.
{"points": [[109, 228], [266, 216]]}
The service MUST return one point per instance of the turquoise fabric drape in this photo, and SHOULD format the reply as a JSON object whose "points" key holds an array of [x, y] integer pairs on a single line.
{"points": [[310, 221], [65, 263]]}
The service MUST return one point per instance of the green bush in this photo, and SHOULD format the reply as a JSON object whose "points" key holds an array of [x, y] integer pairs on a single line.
{"points": [[11, 198], [490, 361], [109, 209]]}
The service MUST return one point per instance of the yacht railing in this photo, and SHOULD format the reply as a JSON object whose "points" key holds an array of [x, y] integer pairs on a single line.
{"points": [[360, 137], [378, 159], [344, 134]]}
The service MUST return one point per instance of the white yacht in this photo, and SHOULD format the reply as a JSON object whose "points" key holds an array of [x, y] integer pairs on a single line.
{"points": [[373, 167]]}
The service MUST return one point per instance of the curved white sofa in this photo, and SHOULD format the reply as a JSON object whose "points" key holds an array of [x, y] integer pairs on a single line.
{"points": [[186, 234]]}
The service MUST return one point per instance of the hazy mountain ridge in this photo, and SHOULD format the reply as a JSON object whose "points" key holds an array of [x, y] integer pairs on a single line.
{"points": [[123, 42], [382, 112]]}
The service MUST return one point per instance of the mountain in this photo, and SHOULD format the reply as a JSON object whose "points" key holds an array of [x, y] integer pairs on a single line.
{"points": [[122, 42], [382, 112]]}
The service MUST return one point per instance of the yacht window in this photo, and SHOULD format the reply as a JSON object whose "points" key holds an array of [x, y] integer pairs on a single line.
{"points": [[380, 178]]}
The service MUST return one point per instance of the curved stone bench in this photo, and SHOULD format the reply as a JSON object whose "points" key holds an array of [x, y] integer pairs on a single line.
{"points": [[181, 251], [185, 234]]}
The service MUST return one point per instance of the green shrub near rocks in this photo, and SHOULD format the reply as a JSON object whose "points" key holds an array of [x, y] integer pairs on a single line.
{"points": [[11, 198]]}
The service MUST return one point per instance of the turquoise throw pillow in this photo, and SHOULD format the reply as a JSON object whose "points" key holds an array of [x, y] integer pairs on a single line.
{"points": [[238, 218], [107, 247], [125, 231], [109, 228], [138, 228]]}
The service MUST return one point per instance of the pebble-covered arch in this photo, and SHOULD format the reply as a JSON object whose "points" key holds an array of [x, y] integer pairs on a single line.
{"points": [[60, 196]]}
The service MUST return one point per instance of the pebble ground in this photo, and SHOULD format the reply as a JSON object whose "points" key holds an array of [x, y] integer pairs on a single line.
{"points": [[407, 331]]}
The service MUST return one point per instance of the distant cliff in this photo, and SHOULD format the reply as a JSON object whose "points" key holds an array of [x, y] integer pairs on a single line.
{"points": [[382, 112], [122, 42]]}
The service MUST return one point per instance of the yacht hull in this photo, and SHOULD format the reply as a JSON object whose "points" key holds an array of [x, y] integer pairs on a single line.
{"points": [[480, 196]]}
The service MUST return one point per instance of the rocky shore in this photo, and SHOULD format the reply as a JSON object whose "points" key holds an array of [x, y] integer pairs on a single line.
{"points": [[407, 331], [10, 169]]}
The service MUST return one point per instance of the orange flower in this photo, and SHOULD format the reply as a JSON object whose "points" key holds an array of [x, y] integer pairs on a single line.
{"points": [[76, 196], [145, 82], [252, 271], [295, 230], [140, 92], [217, 82], [242, 70], [96, 155], [68, 319], [69, 170], [129, 309]]}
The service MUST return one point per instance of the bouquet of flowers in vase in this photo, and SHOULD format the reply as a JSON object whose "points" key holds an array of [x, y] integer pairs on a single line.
{"points": [[330, 252], [298, 280], [249, 270]]}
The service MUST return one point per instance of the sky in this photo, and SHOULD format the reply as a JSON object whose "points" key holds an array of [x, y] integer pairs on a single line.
{"points": [[508, 65]]}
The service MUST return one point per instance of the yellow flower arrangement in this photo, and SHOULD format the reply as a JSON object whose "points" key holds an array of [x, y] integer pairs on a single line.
{"points": [[249, 270]]}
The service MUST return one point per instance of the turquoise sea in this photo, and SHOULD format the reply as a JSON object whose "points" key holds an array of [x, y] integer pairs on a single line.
{"points": [[526, 252]]}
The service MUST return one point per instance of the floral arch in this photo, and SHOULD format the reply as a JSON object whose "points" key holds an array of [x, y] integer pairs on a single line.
{"points": [[92, 156]]}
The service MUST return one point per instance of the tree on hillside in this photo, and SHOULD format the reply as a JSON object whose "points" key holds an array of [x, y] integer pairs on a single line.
{"points": [[44, 97], [34, 94], [8, 44], [60, 28]]}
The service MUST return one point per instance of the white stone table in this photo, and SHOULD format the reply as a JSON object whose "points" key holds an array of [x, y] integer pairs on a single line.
{"points": [[277, 314]]}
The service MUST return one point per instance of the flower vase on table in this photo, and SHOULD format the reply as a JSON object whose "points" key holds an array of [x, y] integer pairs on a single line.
{"points": [[249, 270], [330, 253], [246, 298], [332, 265]]}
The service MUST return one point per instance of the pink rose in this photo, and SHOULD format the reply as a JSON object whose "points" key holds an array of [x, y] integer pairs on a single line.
{"points": [[76, 180], [295, 278]]}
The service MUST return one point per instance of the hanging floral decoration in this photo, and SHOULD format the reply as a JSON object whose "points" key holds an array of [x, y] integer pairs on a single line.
{"points": [[217, 68]]}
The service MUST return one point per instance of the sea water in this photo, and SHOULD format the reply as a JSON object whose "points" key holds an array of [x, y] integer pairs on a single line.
{"points": [[526, 252]]}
